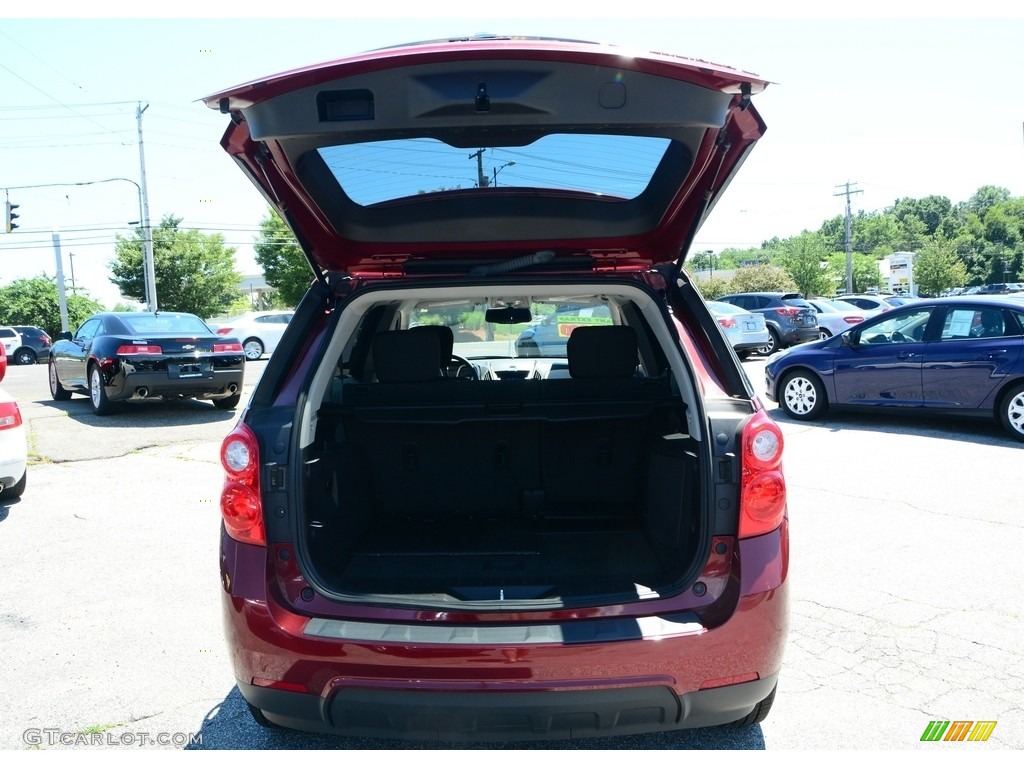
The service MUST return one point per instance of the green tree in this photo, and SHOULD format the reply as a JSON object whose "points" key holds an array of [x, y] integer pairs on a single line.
{"points": [[284, 265], [763, 277], [712, 287], [195, 272], [33, 301], [866, 274], [802, 257], [985, 198], [937, 267]]}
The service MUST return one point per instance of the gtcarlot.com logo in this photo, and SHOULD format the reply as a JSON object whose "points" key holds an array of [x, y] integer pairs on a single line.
{"points": [[958, 730], [52, 737]]}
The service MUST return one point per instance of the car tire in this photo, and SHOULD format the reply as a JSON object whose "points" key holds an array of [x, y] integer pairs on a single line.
{"points": [[228, 403], [56, 390], [760, 712], [25, 356], [14, 491], [253, 349], [101, 405], [1011, 411], [824, 334], [773, 345], [802, 395]]}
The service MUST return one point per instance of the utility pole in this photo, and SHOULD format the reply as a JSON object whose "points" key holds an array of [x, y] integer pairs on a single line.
{"points": [[482, 179], [849, 235], [148, 268], [62, 298]]}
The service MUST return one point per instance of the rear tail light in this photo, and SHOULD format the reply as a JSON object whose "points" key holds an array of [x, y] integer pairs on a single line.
{"points": [[788, 311], [853, 319], [139, 349], [233, 346], [240, 505], [727, 322], [762, 486], [223, 331], [10, 416]]}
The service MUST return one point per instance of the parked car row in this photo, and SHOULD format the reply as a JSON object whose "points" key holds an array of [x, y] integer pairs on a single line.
{"points": [[960, 355], [789, 317]]}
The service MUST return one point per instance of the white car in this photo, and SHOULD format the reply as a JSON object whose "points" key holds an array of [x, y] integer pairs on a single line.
{"points": [[259, 332], [10, 340], [13, 445], [746, 331], [836, 316]]}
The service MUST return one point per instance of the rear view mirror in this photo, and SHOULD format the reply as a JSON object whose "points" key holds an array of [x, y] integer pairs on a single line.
{"points": [[508, 315]]}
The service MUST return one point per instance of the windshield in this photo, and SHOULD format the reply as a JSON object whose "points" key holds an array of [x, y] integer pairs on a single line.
{"points": [[512, 327]]}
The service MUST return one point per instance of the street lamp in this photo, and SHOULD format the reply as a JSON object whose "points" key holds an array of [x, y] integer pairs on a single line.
{"points": [[148, 267], [499, 168]]}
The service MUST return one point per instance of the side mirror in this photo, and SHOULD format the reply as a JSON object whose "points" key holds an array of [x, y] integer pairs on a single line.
{"points": [[851, 338], [64, 336]]}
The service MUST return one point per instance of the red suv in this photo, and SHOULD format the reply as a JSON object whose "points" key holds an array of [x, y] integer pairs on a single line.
{"points": [[427, 535]]}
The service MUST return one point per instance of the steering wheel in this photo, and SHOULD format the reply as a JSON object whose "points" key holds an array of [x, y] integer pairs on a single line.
{"points": [[461, 368], [899, 337]]}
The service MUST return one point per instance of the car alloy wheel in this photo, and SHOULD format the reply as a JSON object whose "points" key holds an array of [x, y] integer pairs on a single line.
{"points": [[823, 334], [101, 406], [253, 349], [803, 396], [25, 357], [56, 390], [1011, 412], [772, 346]]}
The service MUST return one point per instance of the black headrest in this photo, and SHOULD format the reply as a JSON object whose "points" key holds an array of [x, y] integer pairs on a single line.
{"points": [[445, 340], [406, 356], [602, 352]]}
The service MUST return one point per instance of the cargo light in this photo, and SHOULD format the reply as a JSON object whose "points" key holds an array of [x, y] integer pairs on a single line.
{"points": [[240, 505], [762, 486]]}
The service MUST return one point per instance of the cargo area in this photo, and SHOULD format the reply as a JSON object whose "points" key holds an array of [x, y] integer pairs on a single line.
{"points": [[497, 492]]}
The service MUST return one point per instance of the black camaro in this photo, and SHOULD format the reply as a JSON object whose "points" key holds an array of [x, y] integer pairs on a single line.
{"points": [[137, 356]]}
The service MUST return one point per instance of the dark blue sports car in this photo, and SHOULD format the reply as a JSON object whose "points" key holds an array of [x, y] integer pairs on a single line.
{"points": [[959, 355], [119, 357]]}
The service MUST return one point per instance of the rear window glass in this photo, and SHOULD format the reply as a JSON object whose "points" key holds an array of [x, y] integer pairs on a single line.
{"points": [[376, 172], [147, 324]]}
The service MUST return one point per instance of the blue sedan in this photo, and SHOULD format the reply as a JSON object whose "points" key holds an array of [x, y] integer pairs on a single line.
{"points": [[961, 355]]}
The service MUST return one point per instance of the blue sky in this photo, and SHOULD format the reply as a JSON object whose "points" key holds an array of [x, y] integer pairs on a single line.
{"points": [[899, 107]]}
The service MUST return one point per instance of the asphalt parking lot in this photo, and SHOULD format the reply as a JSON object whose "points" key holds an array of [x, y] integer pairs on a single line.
{"points": [[906, 574]]}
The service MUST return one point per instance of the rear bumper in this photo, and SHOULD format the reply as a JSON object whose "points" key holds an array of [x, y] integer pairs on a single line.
{"points": [[400, 684], [142, 386], [488, 716], [800, 335]]}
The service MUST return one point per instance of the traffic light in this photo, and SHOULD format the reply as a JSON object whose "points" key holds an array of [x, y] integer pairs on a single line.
{"points": [[10, 215]]}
